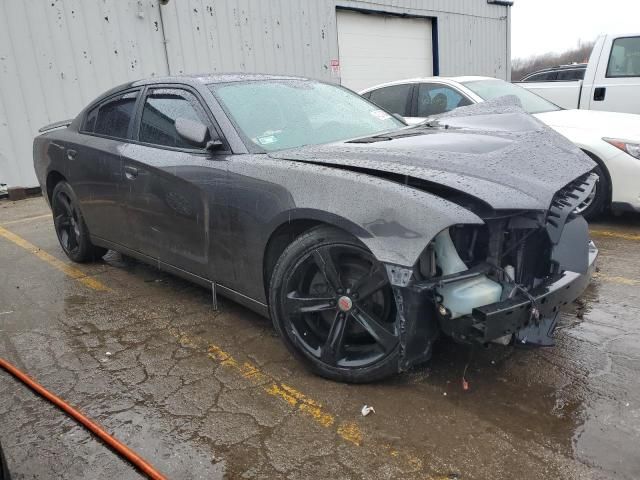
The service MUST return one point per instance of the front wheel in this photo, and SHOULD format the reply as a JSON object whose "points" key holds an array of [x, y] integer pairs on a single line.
{"points": [[333, 306], [71, 229], [596, 202]]}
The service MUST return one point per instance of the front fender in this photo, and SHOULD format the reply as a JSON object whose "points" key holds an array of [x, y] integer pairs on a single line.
{"points": [[394, 221]]}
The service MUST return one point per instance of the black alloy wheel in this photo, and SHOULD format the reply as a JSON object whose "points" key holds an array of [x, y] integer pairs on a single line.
{"points": [[4, 470], [65, 218], [333, 305], [70, 226]]}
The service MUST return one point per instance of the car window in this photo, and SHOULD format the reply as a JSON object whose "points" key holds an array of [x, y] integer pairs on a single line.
{"points": [[280, 114], [542, 77], [624, 60], [394, 99], [434, 99], [90, 120], [161, 109], [571, 74], [533, 78], [495, 88], [113, 117]]}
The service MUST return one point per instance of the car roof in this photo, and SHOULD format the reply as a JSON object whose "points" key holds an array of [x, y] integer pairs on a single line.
{"points": [[558, 68], [568, 66], [195, 80], [447, 80], [208, 78]]}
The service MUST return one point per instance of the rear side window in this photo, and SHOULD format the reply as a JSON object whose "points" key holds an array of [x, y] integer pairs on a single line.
{"points": [[161, 108], [624, 60], [113, 117], [90, 120], [393, 99], [573, 74]]}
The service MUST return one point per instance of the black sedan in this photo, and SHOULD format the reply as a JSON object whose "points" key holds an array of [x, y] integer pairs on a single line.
{"points": [[363, 239]]}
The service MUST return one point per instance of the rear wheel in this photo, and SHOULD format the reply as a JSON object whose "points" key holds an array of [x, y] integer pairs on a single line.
{"points": [[71, 229], [332, 304]]}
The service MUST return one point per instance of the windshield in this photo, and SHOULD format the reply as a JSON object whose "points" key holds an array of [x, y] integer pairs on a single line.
{"points": [[280, 114], [490, 89]]}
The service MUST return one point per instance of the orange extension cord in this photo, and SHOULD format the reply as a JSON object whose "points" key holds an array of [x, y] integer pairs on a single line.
{"points": [[119, 447]]}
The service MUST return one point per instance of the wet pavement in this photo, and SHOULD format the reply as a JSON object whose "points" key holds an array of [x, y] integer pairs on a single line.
{"points": [[205, 394]]}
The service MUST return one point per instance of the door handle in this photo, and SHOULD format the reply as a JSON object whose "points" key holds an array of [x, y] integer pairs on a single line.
{"points": [[71, 154], [599, 93], [130, 172]]}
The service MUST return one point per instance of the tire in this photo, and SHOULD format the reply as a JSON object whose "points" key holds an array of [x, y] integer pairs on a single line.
{"points": [[4, 470], [70, 226], [332, 304], [596, 204]]}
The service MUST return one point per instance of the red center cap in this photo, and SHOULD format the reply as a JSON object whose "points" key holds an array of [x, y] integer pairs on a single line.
{"points": [[345, 304]]}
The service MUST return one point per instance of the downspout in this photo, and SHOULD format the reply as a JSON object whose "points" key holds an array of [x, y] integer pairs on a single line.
{"points": [[162, 3], [508, 43], [507, 4]]}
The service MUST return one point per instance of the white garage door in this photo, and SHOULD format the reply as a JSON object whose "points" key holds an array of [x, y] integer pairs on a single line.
{"points": [[376, 48]]}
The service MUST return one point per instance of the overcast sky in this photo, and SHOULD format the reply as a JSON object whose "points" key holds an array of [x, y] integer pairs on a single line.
{"points": [[540, 26]]}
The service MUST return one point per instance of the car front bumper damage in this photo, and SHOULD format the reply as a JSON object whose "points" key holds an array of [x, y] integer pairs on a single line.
{"points": [[420, 322]]}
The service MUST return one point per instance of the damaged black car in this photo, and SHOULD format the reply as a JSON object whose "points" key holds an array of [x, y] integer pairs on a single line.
{"points": [[363, 239]]}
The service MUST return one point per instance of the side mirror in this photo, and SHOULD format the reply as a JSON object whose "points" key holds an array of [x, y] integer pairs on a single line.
{"points": [[196, 133]]}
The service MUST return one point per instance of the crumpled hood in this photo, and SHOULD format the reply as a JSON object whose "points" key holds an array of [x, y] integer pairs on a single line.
{"points": [[493, 151]]}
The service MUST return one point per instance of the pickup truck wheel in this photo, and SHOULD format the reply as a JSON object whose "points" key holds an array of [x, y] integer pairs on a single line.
{"points": [[332, 304], [597, 201], [70, 227]]}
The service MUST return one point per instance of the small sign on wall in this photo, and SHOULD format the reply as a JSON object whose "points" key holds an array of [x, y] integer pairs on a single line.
{"points": [[335, 68]]}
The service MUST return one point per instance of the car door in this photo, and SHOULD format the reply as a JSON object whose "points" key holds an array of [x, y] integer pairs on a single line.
{"points": [[95, 165], [436, 98], [176, 197], [616, 86]]}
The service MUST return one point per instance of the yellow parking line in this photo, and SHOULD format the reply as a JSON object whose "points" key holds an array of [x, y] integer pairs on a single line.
{"points": [[27, 219], [68, 270], [612, 234], [296, 399], [347, 430]]}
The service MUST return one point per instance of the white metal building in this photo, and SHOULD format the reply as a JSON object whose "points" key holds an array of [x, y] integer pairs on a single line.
{"points": [[57, 55]]}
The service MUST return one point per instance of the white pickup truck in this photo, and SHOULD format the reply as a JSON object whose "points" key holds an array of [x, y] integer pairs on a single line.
{"points": [[611, 81]]}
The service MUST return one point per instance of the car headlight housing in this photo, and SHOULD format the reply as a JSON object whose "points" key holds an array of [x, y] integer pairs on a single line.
{"points": [[631, 148]]}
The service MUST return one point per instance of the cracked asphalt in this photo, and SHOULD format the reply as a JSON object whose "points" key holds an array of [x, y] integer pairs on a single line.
{"points": [[214, 394]]}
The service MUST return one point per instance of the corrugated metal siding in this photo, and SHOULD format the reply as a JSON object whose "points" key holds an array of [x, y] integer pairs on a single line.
{"points": [[56, 55], [300, 37]]}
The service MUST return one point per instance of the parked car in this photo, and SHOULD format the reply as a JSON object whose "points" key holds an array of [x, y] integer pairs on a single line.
{"points": [[361, 237], [611, 139], [611, 81], [561, 73]]}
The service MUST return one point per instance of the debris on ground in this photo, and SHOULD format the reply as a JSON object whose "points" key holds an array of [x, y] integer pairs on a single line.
{"points": [[580, 307], [366, 410]]}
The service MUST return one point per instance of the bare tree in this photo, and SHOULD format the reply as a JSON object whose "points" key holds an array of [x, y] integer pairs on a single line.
{"points": [[521, 67]]}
